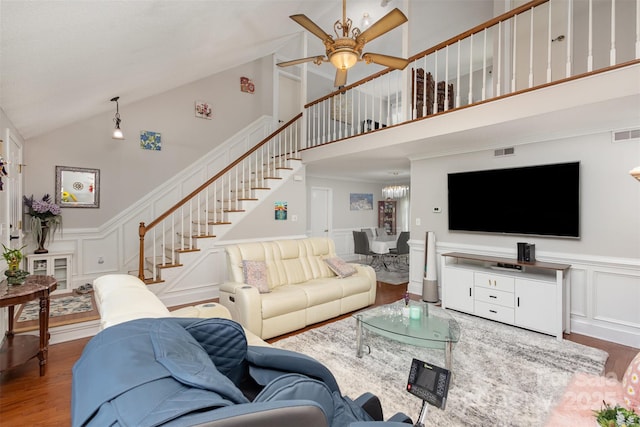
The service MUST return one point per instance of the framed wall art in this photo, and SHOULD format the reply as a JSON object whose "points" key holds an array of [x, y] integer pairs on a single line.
{"points": [[150, 140], [77, 187], [204, 110], [280, 209], [361, 201]]}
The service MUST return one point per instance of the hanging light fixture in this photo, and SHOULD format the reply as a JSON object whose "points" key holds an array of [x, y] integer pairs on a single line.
{"points": [[117, 132], [395, 191]]}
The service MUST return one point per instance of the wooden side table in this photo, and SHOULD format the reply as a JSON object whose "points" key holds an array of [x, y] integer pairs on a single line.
{"points": [[18, 349]]}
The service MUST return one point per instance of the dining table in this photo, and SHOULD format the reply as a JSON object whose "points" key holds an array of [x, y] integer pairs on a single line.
{"points": [[382, 246]]}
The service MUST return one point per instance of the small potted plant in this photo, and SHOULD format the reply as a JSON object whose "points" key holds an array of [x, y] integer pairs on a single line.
{"points": [[616, 416], [14, 257]]}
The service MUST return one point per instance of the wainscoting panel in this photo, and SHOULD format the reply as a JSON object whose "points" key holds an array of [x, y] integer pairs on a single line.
{"points": [[100, 254], [579, 292], [608, 287]]}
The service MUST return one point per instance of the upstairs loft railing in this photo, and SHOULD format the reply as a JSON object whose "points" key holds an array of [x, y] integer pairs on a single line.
{"points": [[209, 205], [540, 43]]}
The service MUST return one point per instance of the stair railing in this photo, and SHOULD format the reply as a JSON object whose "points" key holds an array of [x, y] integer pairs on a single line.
{"points": [[208, 205], [540, 43]]}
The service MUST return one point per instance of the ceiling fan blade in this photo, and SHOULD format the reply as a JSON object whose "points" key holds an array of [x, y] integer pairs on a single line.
{"points": [[386, 60], [311, 26], [387, 23], [341, 78], [316, 59]]}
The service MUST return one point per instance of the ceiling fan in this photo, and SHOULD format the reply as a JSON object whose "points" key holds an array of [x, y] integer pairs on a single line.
{"points": [[346, 49]]}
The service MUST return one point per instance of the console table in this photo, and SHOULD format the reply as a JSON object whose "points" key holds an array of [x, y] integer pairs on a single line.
{"points": [[18, 349], [533, 296]]}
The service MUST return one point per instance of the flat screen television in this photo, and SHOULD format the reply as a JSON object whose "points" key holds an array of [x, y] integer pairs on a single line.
{"points": [[541, 200]]}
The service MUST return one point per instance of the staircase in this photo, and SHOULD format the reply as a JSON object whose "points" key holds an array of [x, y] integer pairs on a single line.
{"points": [[177, 240]]}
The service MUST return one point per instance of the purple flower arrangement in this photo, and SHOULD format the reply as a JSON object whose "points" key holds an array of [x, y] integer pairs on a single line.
{"points": [[45, 218], [44, 208]]}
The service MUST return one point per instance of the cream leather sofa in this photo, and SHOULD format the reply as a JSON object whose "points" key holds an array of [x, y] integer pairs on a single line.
{"points": [[122, 297], [303, 289]]}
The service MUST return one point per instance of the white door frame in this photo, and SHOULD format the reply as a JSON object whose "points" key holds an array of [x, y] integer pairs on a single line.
{"points": [[13, 227]]}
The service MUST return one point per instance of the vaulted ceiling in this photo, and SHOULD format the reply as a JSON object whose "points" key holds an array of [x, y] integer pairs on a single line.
{"points": [[61, 61]]}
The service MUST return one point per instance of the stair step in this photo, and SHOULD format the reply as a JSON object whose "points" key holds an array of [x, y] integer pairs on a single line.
{"points": [[179, 249], [197, 236], [159, 260], [150, 281], [205, 223]]}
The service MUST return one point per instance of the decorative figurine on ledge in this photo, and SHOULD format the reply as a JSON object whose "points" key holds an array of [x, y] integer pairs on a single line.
{"points": [[15, 276]]}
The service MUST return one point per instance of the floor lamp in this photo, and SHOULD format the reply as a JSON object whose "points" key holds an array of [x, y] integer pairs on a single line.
{"points": [[430, 280]]}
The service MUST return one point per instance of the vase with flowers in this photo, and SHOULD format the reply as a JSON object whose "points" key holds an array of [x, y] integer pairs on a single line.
{"points": [[46, 218]]}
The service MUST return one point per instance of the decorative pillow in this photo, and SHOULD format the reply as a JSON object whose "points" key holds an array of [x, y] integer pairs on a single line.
{"points": [[255, 274], [631, 384], [341, 268]]}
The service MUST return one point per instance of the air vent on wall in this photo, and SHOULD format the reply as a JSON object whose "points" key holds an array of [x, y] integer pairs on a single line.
{"points": [[504, 151], [625, 135]]}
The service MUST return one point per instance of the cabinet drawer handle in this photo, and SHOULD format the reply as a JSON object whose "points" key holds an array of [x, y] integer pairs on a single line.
{"points": [[493, 296], [493, 311]]}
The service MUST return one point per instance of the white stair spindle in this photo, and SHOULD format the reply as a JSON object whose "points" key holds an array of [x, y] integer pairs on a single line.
{"points": [[549, 37], [514, 53], [612, 52], [531, 49], [470, 98], [590, 39]]}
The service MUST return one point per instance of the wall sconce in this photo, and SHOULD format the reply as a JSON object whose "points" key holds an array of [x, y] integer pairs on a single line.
{"points": [[635, 172], [117, 132]]}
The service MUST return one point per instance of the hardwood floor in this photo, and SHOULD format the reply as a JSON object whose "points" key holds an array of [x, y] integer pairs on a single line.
{"points": [[26, 399]]}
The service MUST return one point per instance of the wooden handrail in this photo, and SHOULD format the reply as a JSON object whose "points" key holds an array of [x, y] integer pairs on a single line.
{"points": [[142, 229], [488, 24]]}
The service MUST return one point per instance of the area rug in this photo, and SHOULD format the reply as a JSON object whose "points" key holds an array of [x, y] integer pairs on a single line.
{"points": [[58, 306], [392, 277], [503, 376]]}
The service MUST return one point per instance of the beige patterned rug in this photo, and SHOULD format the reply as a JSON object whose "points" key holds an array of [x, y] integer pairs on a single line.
{"points": [[503, 376]]}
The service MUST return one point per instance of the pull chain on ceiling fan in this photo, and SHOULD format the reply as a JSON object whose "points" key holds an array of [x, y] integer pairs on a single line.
{"points": [[346, 49]]}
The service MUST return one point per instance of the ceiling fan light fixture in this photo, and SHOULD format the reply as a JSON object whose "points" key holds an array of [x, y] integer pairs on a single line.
{"points": [[343, 59]]}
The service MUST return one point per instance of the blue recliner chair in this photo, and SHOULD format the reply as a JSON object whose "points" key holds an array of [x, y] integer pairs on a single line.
{"points": [[186, 372]]}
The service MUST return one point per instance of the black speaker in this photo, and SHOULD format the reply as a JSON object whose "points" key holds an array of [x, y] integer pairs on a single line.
{"points": [[526, 252]]}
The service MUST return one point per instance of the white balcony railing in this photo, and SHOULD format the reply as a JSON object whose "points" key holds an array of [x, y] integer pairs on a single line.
{"points": [[540, 43]]}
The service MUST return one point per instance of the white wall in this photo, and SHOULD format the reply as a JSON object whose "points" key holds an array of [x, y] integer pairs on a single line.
{"points": [[261, 222], [610, 198], [127, 172]]}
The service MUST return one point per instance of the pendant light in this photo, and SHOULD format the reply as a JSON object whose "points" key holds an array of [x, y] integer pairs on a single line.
{"points": [[117, 132]]}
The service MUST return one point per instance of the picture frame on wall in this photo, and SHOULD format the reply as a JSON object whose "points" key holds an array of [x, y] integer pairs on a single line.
{"points": [[203, 110], [361, 201], [280, 210]]}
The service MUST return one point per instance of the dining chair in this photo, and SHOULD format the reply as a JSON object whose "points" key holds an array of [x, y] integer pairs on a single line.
{"points": [[401, 249], [369, 233], [361, 247]]}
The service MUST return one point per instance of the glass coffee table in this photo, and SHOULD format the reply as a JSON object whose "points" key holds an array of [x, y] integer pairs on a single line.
{"points": [[426, 326]]}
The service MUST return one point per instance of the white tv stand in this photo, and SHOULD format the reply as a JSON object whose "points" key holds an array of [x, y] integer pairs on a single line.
{"points": [[533, 296]]}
